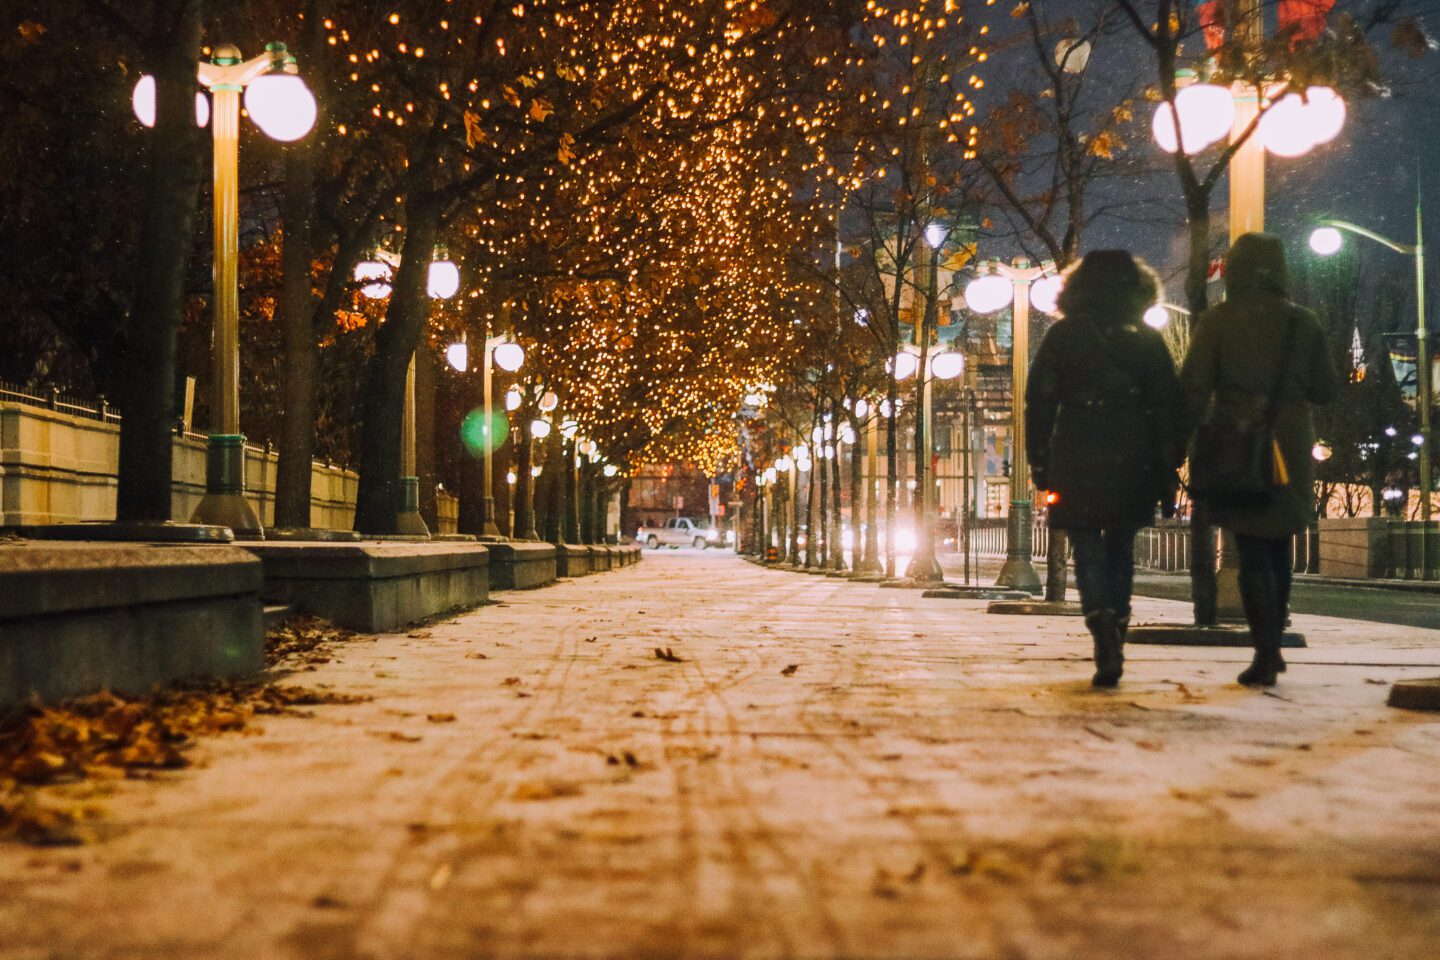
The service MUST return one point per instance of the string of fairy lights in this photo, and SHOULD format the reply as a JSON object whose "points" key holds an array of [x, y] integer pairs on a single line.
{"points": [[639, 178]]}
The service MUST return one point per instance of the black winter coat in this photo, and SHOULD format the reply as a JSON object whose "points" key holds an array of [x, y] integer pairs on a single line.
{"points": [[1104, 420], [1238, 349]]}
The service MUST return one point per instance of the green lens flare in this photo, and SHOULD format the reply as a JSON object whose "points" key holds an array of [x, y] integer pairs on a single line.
{"points": [[480, 438]]}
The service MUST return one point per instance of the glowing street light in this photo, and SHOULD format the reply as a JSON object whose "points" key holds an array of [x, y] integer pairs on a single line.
{"points": [[443, 281], [1045, 294], [947, 365], [1207, 112], [508, 356], [458, 355], [905, 365], [1326, 240], [285, 118], [1010, 284]]}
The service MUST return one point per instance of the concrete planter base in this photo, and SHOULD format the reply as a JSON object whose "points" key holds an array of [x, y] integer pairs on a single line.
{"points": [[521, 565], [573, 560], [1040, 608], [973, 592], [1415, 694], [375, 586], [1188, 635], [80, 617]]}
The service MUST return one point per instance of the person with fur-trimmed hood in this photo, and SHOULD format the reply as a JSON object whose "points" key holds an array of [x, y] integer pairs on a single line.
{"points": [[1104, 415]]}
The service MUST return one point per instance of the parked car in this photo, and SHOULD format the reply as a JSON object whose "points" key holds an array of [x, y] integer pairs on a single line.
{"points": [[679, 532]]}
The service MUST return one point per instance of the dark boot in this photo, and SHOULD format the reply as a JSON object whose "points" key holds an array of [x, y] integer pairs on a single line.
{"points": [[1109, 658], [1265, 632], [1263, 669]]}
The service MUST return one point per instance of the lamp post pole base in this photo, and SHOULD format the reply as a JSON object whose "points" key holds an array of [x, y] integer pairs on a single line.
{"points": [[490, 529], [923, 568], [224, 503], [408, 522], [1018, 573]]}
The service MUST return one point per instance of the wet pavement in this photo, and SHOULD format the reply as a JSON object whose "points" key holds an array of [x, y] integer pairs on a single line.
{"points": [[807, 767]]}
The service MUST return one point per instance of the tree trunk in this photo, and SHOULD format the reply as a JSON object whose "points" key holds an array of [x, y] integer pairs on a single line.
{"points": [[835, 533], [426, 374], [572, 496], [172, 190], [817, 458], [892, 489], [555, 487], [524, 490], [302, 358], [383, 386], [857, 493]]}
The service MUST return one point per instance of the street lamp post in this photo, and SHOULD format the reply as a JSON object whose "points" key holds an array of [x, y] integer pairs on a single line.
{"points": [[509, 356], [924, 568], [1018, 284], [801, 465], [870, 423], [279, 104], [442, 283], [1327, 240]]}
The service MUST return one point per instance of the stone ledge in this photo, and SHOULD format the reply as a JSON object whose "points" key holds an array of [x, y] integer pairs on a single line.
{"points": [[44, 578], [80, 617], [375, 586], [573, 560], [521, 565], [325, 560]]}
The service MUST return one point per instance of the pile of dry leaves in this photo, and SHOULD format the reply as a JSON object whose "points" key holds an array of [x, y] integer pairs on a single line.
{"points": [[106, 736]]}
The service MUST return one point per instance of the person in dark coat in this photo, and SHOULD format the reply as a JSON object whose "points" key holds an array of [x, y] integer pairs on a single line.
{"points": [[1104, 416], [1238, 349]]}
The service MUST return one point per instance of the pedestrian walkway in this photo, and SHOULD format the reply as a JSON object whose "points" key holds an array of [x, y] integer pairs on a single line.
{"points": [[698, 757]]}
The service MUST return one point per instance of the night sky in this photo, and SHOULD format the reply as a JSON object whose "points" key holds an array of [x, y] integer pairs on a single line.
{"points": [[1366, 175]]}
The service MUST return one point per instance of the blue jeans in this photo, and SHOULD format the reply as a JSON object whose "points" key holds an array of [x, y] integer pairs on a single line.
{"points": [[1105, 568]]}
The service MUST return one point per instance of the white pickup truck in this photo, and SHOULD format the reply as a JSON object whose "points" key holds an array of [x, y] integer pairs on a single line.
{"points": [[679, 532]]}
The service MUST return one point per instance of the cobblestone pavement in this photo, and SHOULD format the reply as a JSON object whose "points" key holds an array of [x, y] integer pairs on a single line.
{"points": [[825, 769]]}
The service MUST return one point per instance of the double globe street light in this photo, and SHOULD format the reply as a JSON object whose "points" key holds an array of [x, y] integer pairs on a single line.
{"points": [[280, 104], [945, 365], [510, 357], [1204, 114], [442, 283], [1019, 285]]}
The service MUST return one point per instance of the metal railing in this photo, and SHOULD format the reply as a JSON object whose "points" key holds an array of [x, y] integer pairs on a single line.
{"points": [[53, 398], [1163, 547]]}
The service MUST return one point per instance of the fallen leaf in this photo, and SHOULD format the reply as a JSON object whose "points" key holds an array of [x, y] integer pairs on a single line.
{"points": [[397, 736], [545, 790]]}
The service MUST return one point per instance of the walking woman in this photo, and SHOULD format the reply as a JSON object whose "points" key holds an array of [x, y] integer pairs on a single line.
{"points": [[1256, 364], [1103, 415]]}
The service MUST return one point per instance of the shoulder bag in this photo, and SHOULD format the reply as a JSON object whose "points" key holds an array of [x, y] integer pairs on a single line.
{"points": [[1239, 463]]}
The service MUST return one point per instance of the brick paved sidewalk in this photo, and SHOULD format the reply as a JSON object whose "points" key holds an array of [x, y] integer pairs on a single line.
{"points": [[830, 770]]}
